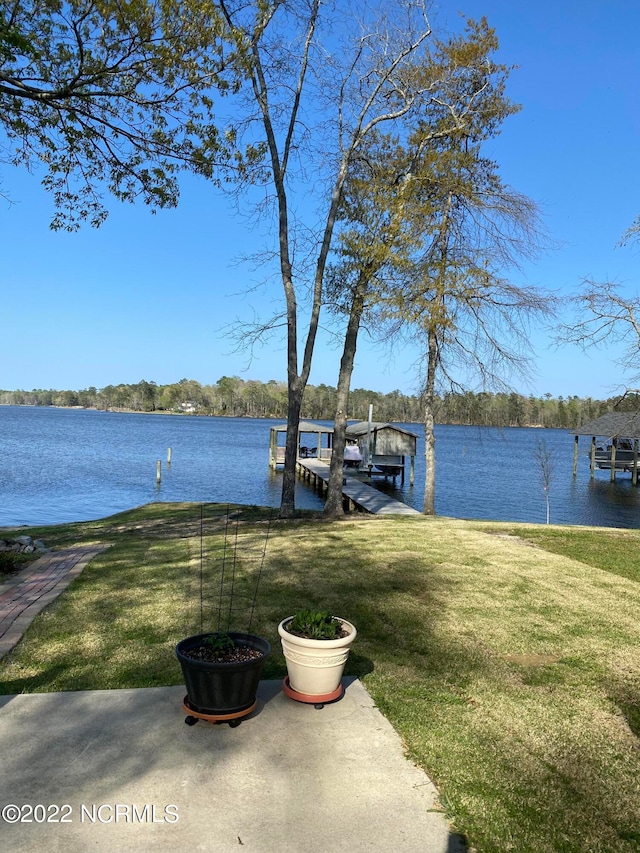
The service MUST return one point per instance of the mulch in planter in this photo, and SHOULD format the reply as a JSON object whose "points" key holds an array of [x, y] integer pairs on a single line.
{"points": [[238, 654]]}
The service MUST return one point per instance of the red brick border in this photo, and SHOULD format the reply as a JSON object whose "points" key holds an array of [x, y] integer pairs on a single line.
{"points": [[31, 589]]}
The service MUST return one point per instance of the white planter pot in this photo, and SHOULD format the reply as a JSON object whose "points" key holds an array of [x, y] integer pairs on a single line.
{"points": [[315, 667]]}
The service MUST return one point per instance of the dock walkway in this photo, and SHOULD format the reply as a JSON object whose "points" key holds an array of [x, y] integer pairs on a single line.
{"points": [[359, 494]]}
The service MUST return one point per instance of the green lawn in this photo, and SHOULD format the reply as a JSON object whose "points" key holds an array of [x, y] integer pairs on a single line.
{"points": [[507, 657], [616, 551]]}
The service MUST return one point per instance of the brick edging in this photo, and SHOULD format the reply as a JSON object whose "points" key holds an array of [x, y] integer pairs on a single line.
{"points": [[31, 589]]}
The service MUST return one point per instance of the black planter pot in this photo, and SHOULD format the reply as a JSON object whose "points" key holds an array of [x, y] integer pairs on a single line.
{"points": [[222, 688]]}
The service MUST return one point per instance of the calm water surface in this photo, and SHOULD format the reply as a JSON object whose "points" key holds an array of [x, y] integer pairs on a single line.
{"points": [[59, 465]]}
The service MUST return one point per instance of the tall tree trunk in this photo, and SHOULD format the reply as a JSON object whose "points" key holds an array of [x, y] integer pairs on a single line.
{"points": [[429, 424], [296, 381], [333, 505], [433, 360], [294, 404], [295, 387]]}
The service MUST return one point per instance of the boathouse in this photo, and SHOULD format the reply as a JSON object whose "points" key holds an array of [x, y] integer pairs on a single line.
{"points": [[385, 447], [383, 450], [314, 441], [614, 430]]}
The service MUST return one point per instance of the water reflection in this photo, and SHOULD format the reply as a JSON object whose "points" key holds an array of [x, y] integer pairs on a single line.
{"points": [[612, 504]]}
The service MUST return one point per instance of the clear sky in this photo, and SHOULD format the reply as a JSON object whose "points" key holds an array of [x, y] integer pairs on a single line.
{"points": [[150, 296]]}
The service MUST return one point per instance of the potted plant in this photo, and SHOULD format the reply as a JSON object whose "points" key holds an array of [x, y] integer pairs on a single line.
{"points": [[222, 668], [221, 672], [316, 647]]}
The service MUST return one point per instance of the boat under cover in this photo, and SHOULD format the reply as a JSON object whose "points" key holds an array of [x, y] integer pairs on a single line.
{"points": [[623, 459]]}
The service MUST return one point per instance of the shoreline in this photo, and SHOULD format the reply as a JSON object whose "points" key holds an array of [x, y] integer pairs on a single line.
{"points": [[124, 411]]}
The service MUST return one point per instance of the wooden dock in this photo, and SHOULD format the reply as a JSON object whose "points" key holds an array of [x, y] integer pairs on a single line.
{"points": [[357, 495]]}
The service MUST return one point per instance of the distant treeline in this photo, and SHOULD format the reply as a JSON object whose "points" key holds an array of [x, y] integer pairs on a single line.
{"points": [[235, 397]]}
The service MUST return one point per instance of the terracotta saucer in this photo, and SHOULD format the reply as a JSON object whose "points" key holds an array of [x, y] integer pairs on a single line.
{"points": [[308, 698]]}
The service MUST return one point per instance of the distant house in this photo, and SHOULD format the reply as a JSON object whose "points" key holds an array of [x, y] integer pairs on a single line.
{"points": [[188, 407]]}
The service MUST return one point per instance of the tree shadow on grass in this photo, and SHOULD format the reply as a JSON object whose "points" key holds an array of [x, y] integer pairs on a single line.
{"points": [[544, 788], [424, 678]]}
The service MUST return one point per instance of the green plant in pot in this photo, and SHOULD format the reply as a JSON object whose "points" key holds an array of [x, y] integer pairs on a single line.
{"points": [[221, 686], [222, 668], [316, 646]]}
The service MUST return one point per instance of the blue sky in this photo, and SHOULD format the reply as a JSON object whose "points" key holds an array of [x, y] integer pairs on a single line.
{"points": [[150, 296]]}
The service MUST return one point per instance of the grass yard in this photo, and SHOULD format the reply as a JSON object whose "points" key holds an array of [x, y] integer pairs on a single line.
{"points": [[612, 550], [506, 656]]}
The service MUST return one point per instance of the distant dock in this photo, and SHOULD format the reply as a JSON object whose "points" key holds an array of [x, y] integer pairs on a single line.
{"points": [[357, 495]]}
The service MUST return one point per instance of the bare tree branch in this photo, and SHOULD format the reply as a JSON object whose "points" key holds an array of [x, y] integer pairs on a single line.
{"points": [[606, 316]]}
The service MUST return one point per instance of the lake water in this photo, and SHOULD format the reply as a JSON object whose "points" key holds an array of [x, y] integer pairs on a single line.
{"points": [[60, 465]]}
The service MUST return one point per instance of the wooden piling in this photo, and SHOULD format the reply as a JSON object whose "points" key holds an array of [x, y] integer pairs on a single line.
{"points": [[273, 450], [158, 471], [614, 447], [169, 456]]}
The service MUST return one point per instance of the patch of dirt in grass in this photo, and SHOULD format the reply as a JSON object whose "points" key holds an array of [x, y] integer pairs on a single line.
{"points": [[188, 524], [532, 660], [511, 537]]}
